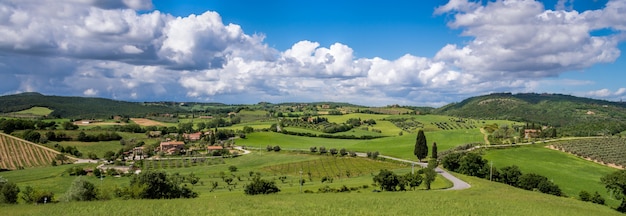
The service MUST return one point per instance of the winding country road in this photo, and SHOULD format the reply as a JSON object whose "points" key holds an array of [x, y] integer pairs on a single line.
{"points": [[457, 184]]}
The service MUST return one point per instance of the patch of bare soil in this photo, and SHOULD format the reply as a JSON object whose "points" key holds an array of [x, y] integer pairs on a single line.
{"points": [[589, 159], [485, 136], [146, 122]]}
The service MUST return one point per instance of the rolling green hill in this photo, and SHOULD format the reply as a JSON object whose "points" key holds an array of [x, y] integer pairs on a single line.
{"points": [[79, 107], [575, 116]]}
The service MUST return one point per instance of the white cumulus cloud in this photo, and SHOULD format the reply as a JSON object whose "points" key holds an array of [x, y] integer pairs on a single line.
{"points": [[121, 49]]}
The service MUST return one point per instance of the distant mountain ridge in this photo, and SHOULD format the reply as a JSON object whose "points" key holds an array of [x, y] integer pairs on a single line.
{"points": [[80, 107], [571, 113]]}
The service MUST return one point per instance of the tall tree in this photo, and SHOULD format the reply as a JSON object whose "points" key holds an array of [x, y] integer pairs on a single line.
{"points": [[434, 151], [421, 148], [430, 174]]}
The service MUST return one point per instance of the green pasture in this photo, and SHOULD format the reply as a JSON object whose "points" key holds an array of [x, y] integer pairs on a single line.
{"points": [[571, 173], [257, 125], [38, 111], [398, 146], [483, 198], [54, 178], [99, 148], [343, 118]]}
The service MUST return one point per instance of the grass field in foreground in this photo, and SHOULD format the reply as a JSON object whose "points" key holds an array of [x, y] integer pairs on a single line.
{"points": [[571, 173], [484, 198]]}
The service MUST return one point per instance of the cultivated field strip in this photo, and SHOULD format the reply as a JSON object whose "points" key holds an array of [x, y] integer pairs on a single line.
{"points": [[336, 167], [606, 150], [17, 153]]}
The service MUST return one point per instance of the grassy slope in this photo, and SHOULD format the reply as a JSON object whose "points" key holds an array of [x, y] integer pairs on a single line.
{"points": [[39, 111], [398, 146], [484, 198], [571, 173]]}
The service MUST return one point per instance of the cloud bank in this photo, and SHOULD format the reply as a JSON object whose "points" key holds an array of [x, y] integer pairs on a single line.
{"points": [[124, 50]]}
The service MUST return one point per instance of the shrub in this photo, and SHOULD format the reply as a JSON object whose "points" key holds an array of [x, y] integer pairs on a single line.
{"points": [[473, 164], [584, 196], [276, 148], [387, 180], [333, 151], [530, 181], [322, 150], [597, 199], [232, 168], [452, 161], [81, 190], [510, 175], [8, 191], [375, 155], [157, 185], [261, 186], [548, 187], [76, 171], [31, 195], [327, 179], [343, 152]]}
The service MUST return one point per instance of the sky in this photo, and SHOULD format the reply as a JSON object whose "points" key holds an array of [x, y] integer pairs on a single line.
{"points": [[375, 53]]}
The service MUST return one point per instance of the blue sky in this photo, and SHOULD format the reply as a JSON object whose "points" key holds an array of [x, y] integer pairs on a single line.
{"points": [[423, 53]]}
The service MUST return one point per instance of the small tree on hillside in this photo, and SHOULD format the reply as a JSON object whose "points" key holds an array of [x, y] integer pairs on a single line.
{"points": [[387, 180], [434, 151], [260, 186], [510, 175], [62, 158], [81, 190], [8, 191], [430, 174], [421, 148], [616, 183], [413, 180]]}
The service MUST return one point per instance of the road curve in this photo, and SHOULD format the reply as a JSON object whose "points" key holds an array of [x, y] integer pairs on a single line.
{"points": [[457, 184]]}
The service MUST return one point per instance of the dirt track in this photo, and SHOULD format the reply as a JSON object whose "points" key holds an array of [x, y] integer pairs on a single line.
{"points": [[146, 122]]}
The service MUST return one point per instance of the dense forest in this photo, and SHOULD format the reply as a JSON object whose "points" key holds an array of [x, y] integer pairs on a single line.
{"points": [[80, 107]]}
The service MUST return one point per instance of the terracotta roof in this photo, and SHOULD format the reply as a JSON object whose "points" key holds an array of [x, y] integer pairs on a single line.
{"points": [[214, 147]]}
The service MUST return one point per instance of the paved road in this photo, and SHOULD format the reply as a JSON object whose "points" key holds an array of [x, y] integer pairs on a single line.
{"points": [[457, 184]]}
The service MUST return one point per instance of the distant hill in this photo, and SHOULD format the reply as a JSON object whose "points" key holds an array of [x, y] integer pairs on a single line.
{"points": [[575, 116], [80, 107]]}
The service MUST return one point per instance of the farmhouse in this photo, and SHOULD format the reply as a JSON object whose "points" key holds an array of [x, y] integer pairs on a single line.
{"points": [[193, 136], [213, 148], [531, 133], [171, 146]]}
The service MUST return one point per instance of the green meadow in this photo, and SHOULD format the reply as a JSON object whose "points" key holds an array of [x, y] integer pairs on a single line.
{"points": [[397, 146], [571, 173], [38, 111], [483, 198]]}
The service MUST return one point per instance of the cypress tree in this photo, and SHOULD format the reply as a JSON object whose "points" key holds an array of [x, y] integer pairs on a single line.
{"points": [[421, 148], [434, 151]]}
